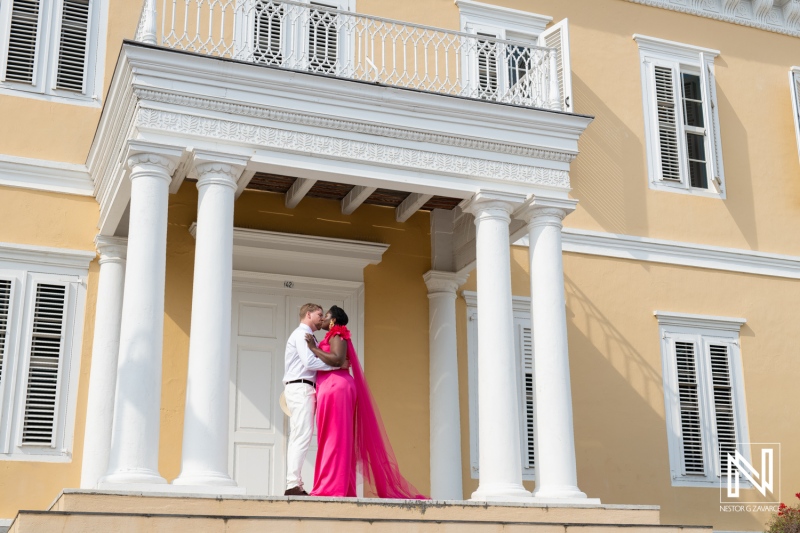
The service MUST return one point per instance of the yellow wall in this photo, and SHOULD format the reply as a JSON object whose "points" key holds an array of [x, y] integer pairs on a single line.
{"points": [[64, 222]]}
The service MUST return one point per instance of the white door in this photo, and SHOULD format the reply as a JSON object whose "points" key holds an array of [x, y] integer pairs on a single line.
{"points": [[261, 323]]}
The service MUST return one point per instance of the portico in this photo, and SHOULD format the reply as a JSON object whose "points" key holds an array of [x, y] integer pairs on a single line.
{"points": [[173, 116]]}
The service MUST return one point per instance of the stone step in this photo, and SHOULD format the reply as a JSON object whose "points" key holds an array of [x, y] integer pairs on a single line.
{"points": [[87, 501], [84, 522]]}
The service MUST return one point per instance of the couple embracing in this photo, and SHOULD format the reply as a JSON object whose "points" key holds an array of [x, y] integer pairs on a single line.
{"points": [[350, 433]]}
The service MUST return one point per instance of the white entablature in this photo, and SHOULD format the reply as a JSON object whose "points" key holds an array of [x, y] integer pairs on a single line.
{"points": [[317, 127]]}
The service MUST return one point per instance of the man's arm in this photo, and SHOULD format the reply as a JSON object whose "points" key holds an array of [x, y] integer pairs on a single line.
{"points": [[307, 357]]}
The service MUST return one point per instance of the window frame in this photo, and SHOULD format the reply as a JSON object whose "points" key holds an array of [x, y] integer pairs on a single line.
{"points": [[688, 59], [45, 75], [522, 316], [794, 88], [28, 266], [702, 331]]}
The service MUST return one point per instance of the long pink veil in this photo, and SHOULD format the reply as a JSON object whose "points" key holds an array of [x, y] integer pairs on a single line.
{"points": [[374, 453]]}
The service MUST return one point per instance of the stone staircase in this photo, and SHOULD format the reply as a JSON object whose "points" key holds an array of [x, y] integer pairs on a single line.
{"points": [[112, 511]]}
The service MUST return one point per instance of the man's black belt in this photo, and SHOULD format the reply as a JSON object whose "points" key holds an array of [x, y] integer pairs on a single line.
{"points": [[306, 381]]}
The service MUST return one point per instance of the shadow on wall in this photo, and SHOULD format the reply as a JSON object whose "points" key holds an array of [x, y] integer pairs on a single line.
{"points": [[606, 177]]}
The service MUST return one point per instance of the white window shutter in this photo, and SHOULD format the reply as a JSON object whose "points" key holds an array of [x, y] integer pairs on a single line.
{"points": [[5, 314], [557, 36], [268, 32], [689, 399], [44, 364], [73, 46], [723, 401], [528, 413], [488, 78], [666, 121], [323, 40], [23, 37], [712, 122], [794, 84]]}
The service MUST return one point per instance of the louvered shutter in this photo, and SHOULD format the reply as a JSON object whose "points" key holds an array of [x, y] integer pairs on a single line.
{"points": [[268, 33], [323, 40], [712, 126], [23, 37], [666, 120], [557, 36], [526, 356], [44, 368], [5, 313], [723, 402], [689, 400], [488, 79], [73, 45]]}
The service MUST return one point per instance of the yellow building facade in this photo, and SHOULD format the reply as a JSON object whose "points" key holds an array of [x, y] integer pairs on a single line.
{"points": [[336, 169]]}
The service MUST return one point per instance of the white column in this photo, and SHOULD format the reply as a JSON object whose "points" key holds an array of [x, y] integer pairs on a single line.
{"points": [[500, 456], [134, 441], [445, 413], [556, 476], [205, 428], [105, 352]]}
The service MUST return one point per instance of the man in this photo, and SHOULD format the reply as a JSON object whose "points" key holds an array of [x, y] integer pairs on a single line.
{"points": [[299, 379]]}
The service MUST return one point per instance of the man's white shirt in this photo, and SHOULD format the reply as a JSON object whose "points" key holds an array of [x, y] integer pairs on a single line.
{"points": [[301, 363]]}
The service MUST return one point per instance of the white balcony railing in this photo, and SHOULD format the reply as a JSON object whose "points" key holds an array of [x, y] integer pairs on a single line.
{"points": [[314, 38]]}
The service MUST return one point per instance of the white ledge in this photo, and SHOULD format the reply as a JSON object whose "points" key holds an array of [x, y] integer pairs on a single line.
{"points": [[655, 44], [45, 175], [678, 253], [686, 320], [45, 255]]}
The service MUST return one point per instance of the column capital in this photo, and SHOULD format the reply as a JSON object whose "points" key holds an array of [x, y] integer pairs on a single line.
{"points": [[216, 167], [538, 209], [111, 249], [439, 281], [141, 153], [492, 203]]}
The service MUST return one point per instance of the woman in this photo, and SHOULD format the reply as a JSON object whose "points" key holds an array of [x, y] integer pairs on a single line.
{"points": [[350, 432]]}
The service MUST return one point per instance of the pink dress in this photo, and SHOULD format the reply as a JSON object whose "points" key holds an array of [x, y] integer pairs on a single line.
{"points": [[351, 435], [335, 469]]}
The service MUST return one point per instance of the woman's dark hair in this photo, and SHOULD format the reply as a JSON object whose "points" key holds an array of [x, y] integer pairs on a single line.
{"points": [[338, 314]]}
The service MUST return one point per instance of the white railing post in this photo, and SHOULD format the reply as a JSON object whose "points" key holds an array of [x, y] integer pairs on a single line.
{"points": [[555, 93], [146, 32]]}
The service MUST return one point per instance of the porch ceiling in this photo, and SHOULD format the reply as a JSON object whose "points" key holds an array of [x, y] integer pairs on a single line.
{"points": [[262, 181]]}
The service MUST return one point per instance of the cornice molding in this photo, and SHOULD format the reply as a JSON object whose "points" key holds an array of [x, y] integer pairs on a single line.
{"points": [[45, 255], [780, 16], [680, 253], [367, 128], [686, 320], [43, 175], [515, 20], [348, 149]]}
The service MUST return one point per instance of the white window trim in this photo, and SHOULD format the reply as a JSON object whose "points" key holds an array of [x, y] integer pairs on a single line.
{"points": [[704, 328], [23, 263], [690, 57], [522, 310], [794, 87], [48, 48]]}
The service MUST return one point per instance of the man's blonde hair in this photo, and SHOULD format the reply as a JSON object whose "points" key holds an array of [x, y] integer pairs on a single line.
{"points": [[308, 308]]}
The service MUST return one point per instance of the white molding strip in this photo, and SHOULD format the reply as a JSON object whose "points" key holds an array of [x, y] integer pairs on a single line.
{"points": [[781, 16], [45, 175], [678, 253], [67, 258], [518, 303], [686, 320]]}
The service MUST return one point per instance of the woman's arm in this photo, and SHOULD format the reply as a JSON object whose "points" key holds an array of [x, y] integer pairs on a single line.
{"points": [[338, 354]]}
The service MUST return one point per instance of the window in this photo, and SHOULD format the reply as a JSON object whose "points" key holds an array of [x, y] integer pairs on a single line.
{"points": [[42, 293], [50, 49], [703, 394], [794, 84], [295, 36], [681, 121], [497, 69], [523, 337]]}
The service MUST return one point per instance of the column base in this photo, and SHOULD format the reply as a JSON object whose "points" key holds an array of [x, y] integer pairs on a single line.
{"points": [[502, 492], [567, 492], [132, 477], [212, 479]]}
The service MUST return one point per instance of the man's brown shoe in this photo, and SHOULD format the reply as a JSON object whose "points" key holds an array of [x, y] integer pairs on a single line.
{"points": [[295, 491]]}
